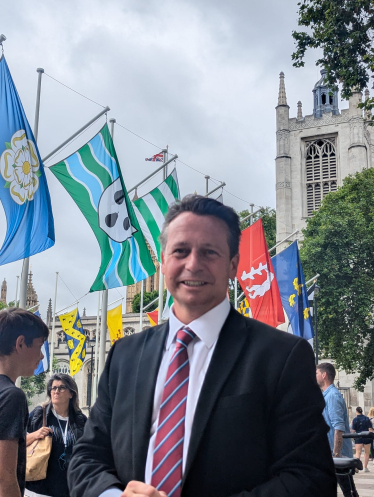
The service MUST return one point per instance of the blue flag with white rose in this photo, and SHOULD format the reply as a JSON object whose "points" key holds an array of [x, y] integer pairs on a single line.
{"points": [[23, 185]]}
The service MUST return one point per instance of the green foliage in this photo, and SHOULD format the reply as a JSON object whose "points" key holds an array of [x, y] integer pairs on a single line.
{"points": [[2, 305], [34, 385], [268, 216], [147, 298], [338, 245], [343, 29]]}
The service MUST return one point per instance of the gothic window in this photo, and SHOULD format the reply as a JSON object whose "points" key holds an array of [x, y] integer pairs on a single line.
{"points": [[321, 171], [152, 287], [62, 367]]}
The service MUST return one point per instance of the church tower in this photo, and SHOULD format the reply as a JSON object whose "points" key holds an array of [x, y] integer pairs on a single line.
{"points": [[31, 295], [283, 164], [316, 152], [3, 291], [49, 314]]}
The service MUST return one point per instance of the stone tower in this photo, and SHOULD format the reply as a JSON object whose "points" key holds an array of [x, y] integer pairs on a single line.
{"points": [[316, 152], [3, 291], [283, 164], [49, 313], [31, 295]]}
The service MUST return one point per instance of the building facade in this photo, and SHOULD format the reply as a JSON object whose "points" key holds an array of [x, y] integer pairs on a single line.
{"points": [[315, 152]]}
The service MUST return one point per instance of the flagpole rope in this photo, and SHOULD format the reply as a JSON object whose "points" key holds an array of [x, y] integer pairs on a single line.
{"points": [[71, 141], [81, 94], [141, 137], [67, 286]]}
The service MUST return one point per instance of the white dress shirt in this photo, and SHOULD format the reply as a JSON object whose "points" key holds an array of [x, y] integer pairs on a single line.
{"points": [[207, 329]]}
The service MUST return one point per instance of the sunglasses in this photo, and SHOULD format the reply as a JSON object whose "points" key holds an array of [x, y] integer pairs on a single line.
{"points": [[60, 388]]}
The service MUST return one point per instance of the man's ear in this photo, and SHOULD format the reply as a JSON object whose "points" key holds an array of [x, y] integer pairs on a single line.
{"points": [[234, 266], [162, 263], [20, 343]]}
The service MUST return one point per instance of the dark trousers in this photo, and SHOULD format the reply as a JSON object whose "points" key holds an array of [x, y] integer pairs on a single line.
{"points": [[347, 485]]}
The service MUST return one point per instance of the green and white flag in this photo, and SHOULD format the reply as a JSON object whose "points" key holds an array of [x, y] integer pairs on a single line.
{"points": [[152, 208], [92, 176]]}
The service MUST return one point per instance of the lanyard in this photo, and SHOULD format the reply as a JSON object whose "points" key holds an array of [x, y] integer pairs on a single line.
{"points": [[64, 435]]}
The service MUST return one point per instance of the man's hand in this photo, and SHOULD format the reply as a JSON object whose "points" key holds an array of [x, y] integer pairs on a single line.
{"points": [[140, 489]]}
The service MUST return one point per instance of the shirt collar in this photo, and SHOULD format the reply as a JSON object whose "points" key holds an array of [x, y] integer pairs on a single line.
{"points": [[207, 327], [328, 389]]}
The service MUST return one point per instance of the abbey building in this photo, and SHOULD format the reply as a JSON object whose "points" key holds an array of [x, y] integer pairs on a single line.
{"points": [[315, 152]]}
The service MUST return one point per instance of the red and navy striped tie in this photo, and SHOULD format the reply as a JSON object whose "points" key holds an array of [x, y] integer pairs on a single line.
{"points": [[168, 451]]}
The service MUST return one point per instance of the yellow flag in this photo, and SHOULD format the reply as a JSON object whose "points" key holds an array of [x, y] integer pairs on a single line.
{"points": [[114, 320], [75, 338]]}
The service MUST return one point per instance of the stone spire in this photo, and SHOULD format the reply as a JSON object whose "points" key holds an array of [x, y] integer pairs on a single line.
{"points": [[3, 291], [49, 313], [84, 312], [299, 110], [282, 99], [31, 295]]}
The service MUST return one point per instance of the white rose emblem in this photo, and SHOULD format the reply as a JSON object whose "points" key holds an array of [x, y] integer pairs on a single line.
{"points": [[19, 166]]}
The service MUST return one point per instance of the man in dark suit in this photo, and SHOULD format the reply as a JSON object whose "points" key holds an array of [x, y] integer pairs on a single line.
{"points": [[210, 403]]}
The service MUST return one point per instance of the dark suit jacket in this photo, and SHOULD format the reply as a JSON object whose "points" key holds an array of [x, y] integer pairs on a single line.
{"points": [[258, 428]]}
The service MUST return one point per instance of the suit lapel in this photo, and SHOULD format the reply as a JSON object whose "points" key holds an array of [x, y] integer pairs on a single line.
{"points": [[229, 346], [149, 364]]}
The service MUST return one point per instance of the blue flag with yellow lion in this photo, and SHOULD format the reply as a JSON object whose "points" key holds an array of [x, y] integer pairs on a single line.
{"points": [[75, 339], [292, 289]]}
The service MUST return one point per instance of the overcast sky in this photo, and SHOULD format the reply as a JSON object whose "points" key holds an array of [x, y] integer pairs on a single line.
{"points": [[200, 76]]}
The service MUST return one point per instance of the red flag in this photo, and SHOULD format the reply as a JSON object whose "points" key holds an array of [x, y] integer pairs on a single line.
{"points": [[153, 317], [257, 278]]}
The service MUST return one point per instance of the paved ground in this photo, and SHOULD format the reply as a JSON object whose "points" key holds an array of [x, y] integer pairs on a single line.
{"points": [[364, 482]]}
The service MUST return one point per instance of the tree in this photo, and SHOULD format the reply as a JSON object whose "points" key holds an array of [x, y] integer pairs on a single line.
{"points": [[338, 244], [268, 216], [343, 29], [147, 299]]}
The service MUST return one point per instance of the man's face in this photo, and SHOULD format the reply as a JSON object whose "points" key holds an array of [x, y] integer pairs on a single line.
{"points": [[320, 377], [196, 264], [31, 356]]}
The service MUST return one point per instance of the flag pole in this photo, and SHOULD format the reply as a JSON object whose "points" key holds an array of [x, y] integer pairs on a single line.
{"points": [[26, 261], [154, 172], [53, 328], [141, 305], [104, 111], [104, 305], [96, 349], [103, 330], [15, 302], [215, 189], [161, 276]]}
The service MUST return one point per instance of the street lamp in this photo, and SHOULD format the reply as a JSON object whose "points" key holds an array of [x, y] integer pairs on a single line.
{"points": [[316, 293], [90, 343]]}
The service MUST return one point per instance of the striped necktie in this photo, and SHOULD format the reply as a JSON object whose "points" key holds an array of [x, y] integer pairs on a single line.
{"points": [[168, 452]]}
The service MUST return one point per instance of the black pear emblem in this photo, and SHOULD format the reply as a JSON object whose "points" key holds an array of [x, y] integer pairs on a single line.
{"points": [[113, 215]]}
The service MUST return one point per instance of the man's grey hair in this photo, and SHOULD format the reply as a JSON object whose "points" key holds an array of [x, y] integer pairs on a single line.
{"points": [[203, 206]]}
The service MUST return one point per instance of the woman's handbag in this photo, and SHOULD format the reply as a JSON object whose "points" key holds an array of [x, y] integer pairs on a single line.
{"points": [[37, 456]]}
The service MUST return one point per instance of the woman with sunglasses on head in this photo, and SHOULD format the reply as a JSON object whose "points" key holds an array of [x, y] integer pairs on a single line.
{"points": [[65, 423]]}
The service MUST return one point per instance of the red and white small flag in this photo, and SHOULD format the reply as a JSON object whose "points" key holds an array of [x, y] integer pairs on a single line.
{"points": [[157, 158]]}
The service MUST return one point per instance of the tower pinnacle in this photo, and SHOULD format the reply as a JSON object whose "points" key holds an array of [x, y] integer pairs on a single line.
{"points": [[282, 99], [299, 110]]}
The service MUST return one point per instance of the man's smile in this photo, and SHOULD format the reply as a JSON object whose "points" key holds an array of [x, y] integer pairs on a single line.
{"points": [[194, 283]]}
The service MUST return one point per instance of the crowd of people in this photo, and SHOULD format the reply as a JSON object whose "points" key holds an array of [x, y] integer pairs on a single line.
{"points": [[208, 404]]}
